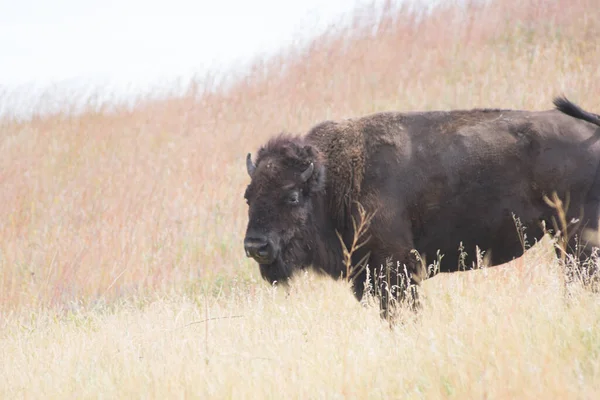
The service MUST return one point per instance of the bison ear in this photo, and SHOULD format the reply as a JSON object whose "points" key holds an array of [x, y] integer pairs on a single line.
{"points": [[319, 178], [310, 151], [317, 171]]}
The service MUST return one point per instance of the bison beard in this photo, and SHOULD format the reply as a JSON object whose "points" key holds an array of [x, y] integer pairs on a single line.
{"points": [[431, 180], [290, 258]]}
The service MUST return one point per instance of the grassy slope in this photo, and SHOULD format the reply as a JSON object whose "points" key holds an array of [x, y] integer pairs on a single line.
{"points": [[105, 208]]}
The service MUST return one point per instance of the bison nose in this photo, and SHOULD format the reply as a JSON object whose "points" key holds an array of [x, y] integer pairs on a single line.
{"points": [[260, 249]]}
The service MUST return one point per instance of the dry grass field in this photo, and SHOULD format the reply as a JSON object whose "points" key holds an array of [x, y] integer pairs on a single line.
{"points": [[122, 272]]}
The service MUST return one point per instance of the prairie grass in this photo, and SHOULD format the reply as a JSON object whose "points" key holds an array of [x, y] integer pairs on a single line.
{"points": [[503, 333], [119, 228]]}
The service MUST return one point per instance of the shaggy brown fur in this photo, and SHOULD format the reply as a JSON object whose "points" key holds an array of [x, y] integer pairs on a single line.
{"points": [[344, 146], [433, 180]]}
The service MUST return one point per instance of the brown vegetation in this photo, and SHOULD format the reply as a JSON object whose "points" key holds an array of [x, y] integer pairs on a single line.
{"points": [[114, 206], [99, 205]]}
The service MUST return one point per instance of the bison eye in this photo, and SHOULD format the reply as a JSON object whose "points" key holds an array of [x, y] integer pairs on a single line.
{"points": [[293, 198]]}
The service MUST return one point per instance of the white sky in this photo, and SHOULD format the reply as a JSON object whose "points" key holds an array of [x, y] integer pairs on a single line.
{"points": [[137, 40]]}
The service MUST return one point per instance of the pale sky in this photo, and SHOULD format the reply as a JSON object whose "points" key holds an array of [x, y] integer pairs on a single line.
{"points": [[63, 39], [135, 43]]}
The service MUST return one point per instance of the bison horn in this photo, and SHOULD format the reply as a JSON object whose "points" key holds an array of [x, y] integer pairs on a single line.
{"points": [[249, 165], [307, 173]]}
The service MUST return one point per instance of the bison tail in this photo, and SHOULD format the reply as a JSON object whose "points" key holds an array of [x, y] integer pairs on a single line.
{"points": [[566, 106]]}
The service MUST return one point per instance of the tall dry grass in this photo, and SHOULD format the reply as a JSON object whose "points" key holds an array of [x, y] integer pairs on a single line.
{"points": [[493, 335], [98, 205], [118, 228]]}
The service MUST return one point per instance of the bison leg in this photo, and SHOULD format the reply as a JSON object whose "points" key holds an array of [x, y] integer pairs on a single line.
{"points": [[395, 281], [358, 284], [580, 263], [359, 276]]}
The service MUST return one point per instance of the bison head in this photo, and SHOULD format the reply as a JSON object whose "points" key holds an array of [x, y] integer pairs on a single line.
{"points": [[286, 184]]}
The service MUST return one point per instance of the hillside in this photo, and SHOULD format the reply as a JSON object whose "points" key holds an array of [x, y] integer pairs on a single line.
{"points": [[130, 222]]}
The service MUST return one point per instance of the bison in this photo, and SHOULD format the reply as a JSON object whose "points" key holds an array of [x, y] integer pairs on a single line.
{"points": [[436, 181]]}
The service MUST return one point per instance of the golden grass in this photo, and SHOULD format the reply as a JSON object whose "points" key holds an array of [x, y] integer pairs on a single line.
{"points": [[117, 229], [495, 336]]}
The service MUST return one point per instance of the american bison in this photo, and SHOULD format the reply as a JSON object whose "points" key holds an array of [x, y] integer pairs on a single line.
{"points": [[429, 181]]}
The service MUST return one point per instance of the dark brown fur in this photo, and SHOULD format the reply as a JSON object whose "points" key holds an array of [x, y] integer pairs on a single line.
{"points": [[432, 180]]}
